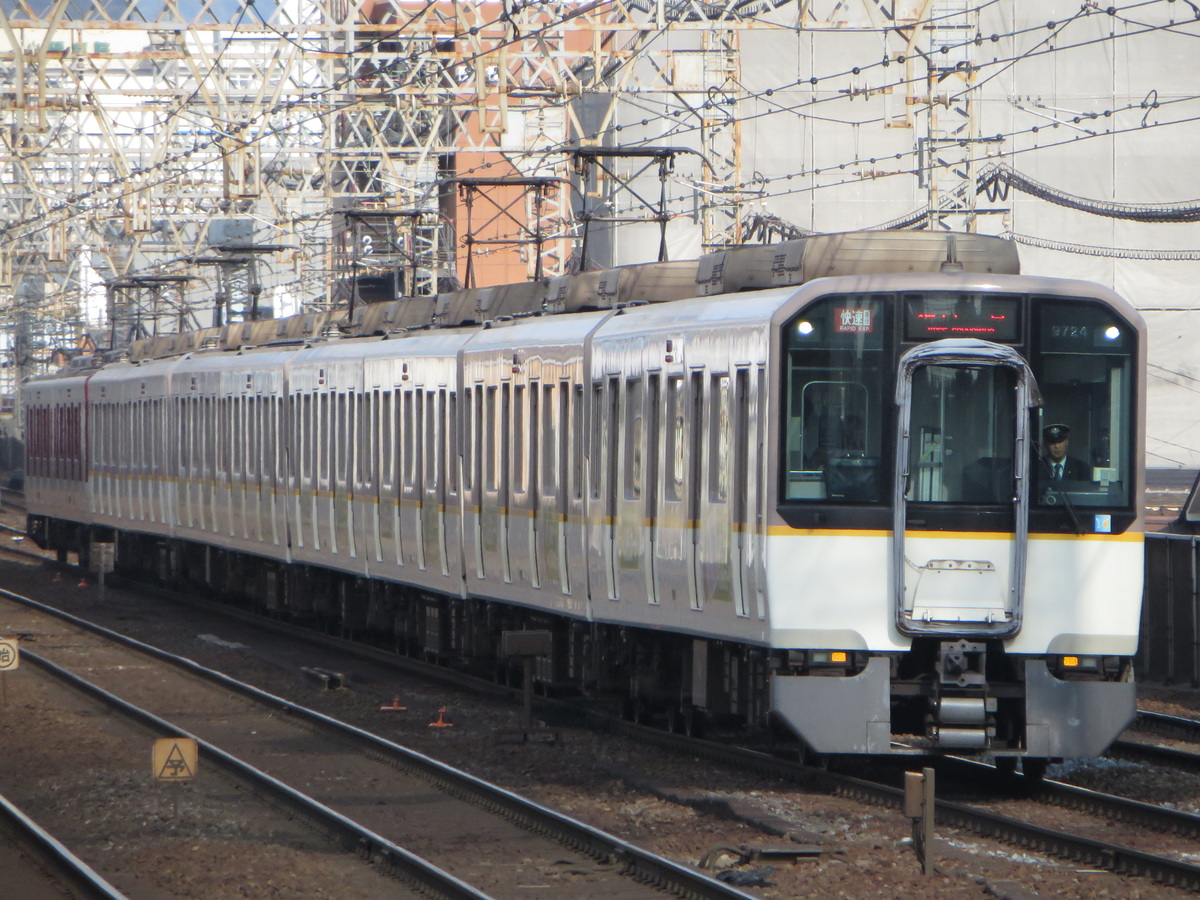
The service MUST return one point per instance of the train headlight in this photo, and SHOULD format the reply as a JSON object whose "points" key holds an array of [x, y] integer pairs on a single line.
{"points": [[828, 657], [1079, 663], [804, 329], [1111, 333]]}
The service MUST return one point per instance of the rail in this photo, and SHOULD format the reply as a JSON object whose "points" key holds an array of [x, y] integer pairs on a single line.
{"points": [[65, 866], [369, 844], [636, 864]]}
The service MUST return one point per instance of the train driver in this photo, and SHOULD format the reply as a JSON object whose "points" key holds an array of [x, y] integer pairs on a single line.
{"points": [[1059, 466]]}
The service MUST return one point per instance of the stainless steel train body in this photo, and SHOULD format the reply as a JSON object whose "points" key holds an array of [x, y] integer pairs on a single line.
{"points": [[824, 505]]}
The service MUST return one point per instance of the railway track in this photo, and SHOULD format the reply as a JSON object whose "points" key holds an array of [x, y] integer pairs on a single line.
{"points": [[379, 800], [35, 865], [1164, 726], [1015, 826], [988, 818]]}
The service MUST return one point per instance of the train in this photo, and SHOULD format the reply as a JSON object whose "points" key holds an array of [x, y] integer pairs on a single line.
{"points": [[802, 487]]}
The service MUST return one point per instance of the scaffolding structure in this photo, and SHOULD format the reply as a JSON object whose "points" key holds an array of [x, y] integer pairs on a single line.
{"points": [[140, 137]]}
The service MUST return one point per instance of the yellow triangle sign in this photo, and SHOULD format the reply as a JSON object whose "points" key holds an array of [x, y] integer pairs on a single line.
{"points": [[175, 759]]}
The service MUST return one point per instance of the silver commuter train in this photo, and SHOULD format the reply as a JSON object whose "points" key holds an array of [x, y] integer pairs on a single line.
{"points": [[824, 503]]}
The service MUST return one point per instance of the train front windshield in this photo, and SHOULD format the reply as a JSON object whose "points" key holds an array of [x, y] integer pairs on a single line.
{"points": [[840, 369]]}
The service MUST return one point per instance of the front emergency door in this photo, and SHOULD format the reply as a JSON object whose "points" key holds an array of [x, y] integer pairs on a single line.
{"points": [[961, 493]]}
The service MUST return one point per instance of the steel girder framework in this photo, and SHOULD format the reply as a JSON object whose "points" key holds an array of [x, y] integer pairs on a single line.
{"points": [[140, 134]]}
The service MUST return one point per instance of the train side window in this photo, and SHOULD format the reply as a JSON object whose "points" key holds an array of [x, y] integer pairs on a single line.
{"points": [[434, 405], [368, 428], [469, 403], [536, 423], [161, 448], [719, 440], [576, 441], [439, 441], [280, 440], [596, 444], [1083, 362], [306, 436], [224, 435], [387, 438], [477, 439], [695, 484], [267, 445], [397, 441], [417, 444], [519, 437], [835, 376], [633, 439], [504, 448], [549, 428], [676, 438], [450, 444], [407, 457], [326, 430], [239, 448], [337, 434], [346, 427], [490, 427], [182, 404], [209, 424]]}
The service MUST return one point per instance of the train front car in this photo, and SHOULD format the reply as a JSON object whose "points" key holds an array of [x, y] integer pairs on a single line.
{"points": [[936, 582]]}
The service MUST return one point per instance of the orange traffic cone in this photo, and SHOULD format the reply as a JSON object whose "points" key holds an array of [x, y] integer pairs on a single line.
{"points": [[395, 704], [441, 723], [83, 582]]}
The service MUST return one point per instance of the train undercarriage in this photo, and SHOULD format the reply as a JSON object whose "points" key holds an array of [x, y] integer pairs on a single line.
{"points": [[944, 695]]}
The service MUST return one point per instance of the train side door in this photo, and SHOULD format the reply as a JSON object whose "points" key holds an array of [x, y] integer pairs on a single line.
{"points": [[389, 478], [694, 436], [961, 493], [493, 505], [473, 475], [548, 484], [652, 483], [433, 492], [365, 517], [629, 528], [522, 506], [673, 532], [574, 495], [749, 478]]}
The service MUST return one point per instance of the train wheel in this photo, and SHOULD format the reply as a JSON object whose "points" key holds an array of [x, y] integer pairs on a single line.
{"points": [[637, 710], [1034, 768], [694, 721], [685, 719]]}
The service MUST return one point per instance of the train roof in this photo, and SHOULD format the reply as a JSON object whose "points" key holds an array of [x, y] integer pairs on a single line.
{"points": [[727, 271]]}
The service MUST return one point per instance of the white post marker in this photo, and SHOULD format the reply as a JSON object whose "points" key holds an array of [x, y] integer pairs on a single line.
{"points": [[104, 564], [10, 658]]}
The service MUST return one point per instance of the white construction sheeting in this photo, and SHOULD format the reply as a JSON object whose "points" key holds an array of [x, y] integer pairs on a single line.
{"points": [[1096, 104]]}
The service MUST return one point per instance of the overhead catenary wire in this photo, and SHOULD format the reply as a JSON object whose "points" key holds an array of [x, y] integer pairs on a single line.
{"points": [[856, 70]]}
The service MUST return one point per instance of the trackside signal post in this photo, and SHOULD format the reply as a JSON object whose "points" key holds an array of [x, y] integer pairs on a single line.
{"points": [[528, 646], [919, 806]]}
